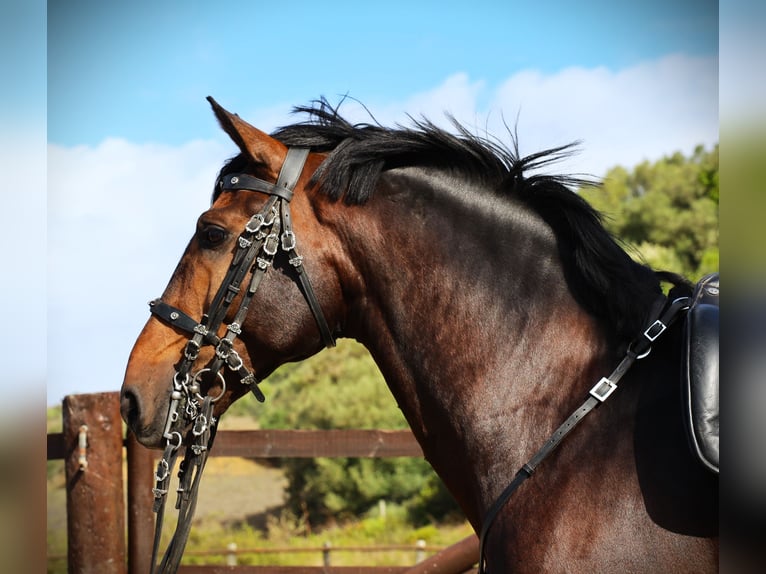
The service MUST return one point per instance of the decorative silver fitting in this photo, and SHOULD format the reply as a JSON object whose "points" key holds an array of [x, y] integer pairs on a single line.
{"points": [[244, 243], [235, 328], [200, 425], [234, 361], [200, 329], [255, 223], [158, 492], [192, 350], [271, 244], [163, 471], [274, 213], [296, 261], [223, 349], [288, 240], [262, 263]]}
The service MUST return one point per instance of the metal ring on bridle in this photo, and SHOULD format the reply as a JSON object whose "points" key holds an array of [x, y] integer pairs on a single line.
{"points": [[642, 355], [177, 385], [169, 437], [220, 377]]}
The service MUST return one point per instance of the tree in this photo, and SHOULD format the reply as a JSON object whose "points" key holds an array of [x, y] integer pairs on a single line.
{"points": [[336, 389], [666, 212]]}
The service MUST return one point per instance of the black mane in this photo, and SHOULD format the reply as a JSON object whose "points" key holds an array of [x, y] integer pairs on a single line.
{"points": [[601, 276], [358, 153]]}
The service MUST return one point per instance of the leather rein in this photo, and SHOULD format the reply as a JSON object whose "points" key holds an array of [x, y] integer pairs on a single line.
{"points": [[258, 244]]}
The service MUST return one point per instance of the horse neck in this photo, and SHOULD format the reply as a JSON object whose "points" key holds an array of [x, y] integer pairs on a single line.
{"points": [[460, 298]]}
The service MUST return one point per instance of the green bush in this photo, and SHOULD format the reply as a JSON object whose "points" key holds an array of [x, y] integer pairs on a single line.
{"points": [[342, 388]]}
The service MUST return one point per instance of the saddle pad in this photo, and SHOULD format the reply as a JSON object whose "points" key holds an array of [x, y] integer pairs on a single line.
{"points": [[700, 378]]}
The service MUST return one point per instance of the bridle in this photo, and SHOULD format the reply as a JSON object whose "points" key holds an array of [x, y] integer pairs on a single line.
{"points": [[265, 233]]}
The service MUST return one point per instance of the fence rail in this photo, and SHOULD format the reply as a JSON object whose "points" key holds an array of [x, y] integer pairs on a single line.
{"points": [[91, 445]]}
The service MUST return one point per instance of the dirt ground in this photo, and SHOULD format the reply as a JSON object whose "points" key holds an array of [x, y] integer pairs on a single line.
{"points": [[237, 489]]}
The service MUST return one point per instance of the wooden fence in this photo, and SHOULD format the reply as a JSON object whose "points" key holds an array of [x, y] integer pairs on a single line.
{"points": [[91, 445]]}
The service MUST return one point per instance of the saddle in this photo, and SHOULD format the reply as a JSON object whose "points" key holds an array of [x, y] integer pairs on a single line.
{"points": [[700, 372]]}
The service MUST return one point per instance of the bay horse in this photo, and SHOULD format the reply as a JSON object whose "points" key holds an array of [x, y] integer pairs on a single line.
{"points": [[490, 296]]}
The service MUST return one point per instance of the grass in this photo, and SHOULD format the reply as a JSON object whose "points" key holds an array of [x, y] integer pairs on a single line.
{"points": [[286, 542]]}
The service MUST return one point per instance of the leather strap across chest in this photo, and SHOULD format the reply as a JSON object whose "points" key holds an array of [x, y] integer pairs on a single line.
{"points": [[666, 313]]}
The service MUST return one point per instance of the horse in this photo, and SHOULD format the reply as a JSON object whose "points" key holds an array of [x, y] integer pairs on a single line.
{"points": [[490, 296]]}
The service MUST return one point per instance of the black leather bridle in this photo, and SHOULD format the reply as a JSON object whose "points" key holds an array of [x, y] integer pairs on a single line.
{"points": [[264, 235]]}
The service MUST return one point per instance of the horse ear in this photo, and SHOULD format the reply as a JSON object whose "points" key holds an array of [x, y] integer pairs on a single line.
{"points": [[258, 145]]}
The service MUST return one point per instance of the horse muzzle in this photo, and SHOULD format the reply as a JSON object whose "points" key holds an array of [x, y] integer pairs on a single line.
{"points": [[145, 418]]}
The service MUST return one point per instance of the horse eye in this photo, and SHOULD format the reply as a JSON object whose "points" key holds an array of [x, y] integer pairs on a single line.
{"points": [[212, 235]]}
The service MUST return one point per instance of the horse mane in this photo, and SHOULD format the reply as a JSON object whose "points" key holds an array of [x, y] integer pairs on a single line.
{"points": [[601, 275]]}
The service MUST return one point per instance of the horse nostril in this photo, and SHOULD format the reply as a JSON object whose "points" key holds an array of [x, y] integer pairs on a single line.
{"points": [[130, 407]]}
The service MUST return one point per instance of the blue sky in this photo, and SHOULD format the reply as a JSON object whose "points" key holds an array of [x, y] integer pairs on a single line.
{"points": [[117, 93], [140, 70]]}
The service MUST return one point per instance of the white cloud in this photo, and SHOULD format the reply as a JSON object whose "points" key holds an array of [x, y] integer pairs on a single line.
{"points": [[743, 88], [22, 339], [119, 218], [622, 117], [120, 214]]}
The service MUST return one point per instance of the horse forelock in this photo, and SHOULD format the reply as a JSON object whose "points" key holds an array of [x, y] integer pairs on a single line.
{"points": [[601, 275]]}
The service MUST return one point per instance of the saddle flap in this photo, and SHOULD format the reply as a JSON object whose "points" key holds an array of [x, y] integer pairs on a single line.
{"points": [[700, 377]]}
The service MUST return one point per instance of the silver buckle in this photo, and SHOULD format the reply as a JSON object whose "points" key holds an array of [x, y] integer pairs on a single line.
{"points": [[655, 330], [602, 389], [256, 222], [271, 244], [288, 241]]}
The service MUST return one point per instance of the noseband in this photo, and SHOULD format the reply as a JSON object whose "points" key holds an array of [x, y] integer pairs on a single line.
{"points": [[257, 246]]}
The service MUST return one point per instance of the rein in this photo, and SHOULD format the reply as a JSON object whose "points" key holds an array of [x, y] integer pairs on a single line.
{"points": [[257, 246], [663, 316]]}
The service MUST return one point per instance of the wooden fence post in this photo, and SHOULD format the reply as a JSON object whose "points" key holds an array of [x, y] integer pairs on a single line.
{"points": [[92, 432], [140, 499]]}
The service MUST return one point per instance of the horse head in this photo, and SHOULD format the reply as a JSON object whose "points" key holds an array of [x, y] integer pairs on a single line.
{"points": [[280, 327]]}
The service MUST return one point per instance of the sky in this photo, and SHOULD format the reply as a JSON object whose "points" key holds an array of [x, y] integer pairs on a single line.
{"points": [[132, 147]]}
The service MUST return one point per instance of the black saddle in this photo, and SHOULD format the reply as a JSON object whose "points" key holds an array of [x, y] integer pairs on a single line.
{"points": [[700, 372]]}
